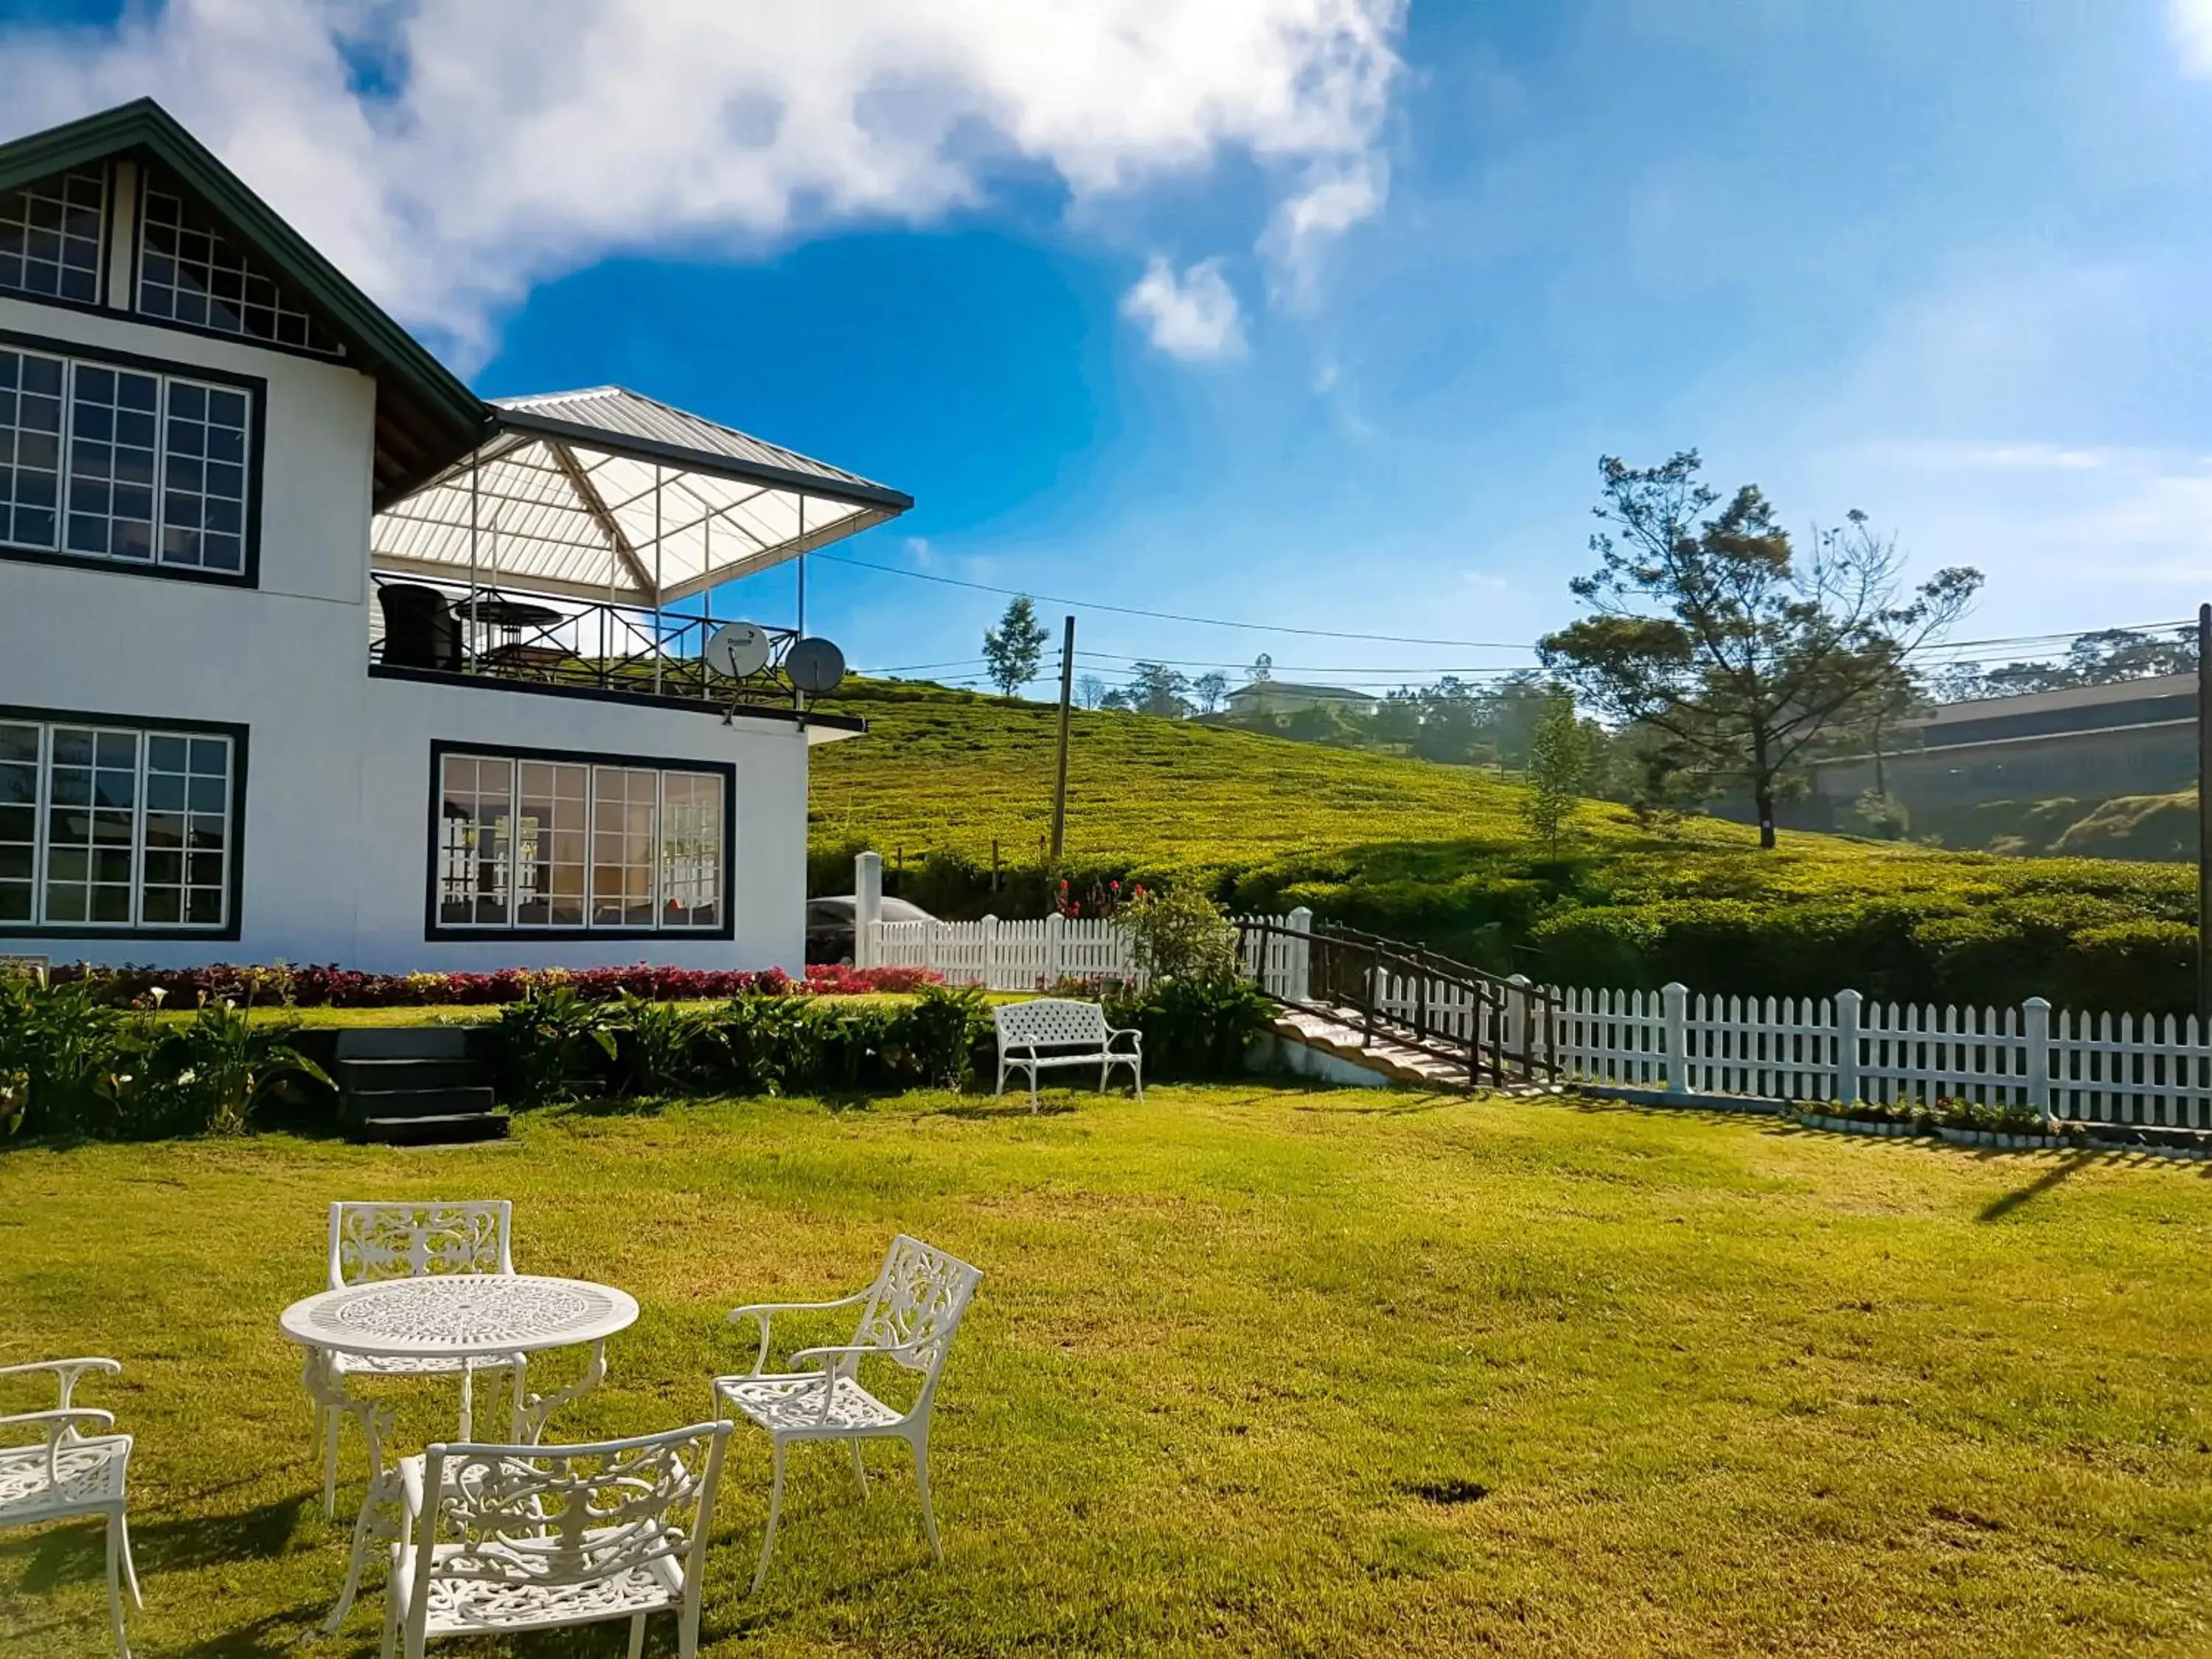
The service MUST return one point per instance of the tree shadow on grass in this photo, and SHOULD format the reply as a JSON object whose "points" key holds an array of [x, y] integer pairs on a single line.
{"points": [[1998, 1208], [995, 1108], [74, 1552]]}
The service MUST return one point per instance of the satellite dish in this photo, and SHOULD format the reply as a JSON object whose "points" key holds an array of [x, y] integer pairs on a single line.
{"points": [[815, 665], [738, 649]]}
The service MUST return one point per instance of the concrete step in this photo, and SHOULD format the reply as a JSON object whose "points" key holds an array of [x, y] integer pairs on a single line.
{"points": [[361, 1106], [360, 1075], [455, 1129], [405, 1042]]}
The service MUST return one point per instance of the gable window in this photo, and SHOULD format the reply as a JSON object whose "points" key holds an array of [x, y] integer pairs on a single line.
{"points": [[108, 827], [191, 272], [102, 461], [535, 841], [50, 237]]}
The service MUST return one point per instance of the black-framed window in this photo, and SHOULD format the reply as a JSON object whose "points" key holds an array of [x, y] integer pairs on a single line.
{"points": [[117, 826], [127, 461], [539, 842], [50, 237], [191, 271]]}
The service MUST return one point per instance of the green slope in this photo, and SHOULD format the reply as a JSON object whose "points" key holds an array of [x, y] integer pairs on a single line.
{"points": [[1439, 854]]}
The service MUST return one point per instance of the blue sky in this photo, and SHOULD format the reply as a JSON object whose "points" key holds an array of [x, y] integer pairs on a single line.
{"points": [[1206, 340]]}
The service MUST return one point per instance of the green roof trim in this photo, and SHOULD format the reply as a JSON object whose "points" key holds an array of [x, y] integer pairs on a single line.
{"points": [[144, 127]]}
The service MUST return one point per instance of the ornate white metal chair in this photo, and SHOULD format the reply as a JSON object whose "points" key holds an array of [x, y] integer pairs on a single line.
{"points": [[907, 1316], [67, 1472], [498, 1538], [1046, 1032], [409, 1240]]}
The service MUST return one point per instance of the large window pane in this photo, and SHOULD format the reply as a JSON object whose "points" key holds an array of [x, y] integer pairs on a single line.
{"points": [[114, 421], [91, 825], [551, 845], [476, 855], [50, 237], [191, 272], [690, 850], [19, 820], [204, 477], [30, 449], [624, 808]]}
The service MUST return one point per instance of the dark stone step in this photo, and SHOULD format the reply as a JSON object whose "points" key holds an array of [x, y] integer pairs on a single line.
{"points": [[356, 1076], [455, 1129], [360, 1105], [406, 1043]]}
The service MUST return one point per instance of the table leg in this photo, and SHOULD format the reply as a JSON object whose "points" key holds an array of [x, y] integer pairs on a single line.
{"points": [[370, 1526], [541, 1406]]}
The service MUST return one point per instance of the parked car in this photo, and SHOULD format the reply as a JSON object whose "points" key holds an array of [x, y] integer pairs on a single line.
{"points": [[829, 924]]}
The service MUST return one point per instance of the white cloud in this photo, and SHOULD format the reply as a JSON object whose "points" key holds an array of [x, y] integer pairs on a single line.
{"points": [[504, 142], [1337, 197], [2191, 21], [1195, 317]]}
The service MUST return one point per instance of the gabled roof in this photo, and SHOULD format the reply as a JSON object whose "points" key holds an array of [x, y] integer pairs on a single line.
{"points": [[426, 417]]}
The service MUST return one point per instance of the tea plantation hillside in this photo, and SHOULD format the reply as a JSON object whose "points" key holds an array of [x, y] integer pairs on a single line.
{"points": [[1439, 854]]}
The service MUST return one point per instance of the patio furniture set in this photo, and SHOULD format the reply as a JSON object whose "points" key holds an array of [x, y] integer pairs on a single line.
{"points": [[484, 1537]]}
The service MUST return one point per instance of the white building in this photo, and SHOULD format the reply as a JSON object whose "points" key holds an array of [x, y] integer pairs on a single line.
{"points": [[308, 653]]}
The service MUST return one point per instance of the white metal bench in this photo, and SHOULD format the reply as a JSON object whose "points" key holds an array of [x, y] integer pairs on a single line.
{"points": [[1052, 1031]]}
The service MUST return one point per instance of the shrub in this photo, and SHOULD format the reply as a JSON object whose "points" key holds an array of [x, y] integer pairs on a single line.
{"points": [[660, 1044], [548, 1044], [344, 987], [210, 1075], [1194, 1027], [64, 1054], [1178, 934]]}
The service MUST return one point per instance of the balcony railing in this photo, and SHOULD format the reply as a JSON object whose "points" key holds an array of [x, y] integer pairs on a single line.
{"points": [[537, 639]]}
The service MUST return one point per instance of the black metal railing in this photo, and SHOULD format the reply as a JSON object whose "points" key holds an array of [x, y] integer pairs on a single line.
{"points": [[512, 634], [1497, 1030]]}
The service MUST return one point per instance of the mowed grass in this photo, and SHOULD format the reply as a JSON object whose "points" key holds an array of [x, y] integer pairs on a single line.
{"points": [[1253, 1371]]}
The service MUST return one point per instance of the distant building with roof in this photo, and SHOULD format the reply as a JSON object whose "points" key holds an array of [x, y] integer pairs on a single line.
{"points": [[1277, 700], [2128, 737]]}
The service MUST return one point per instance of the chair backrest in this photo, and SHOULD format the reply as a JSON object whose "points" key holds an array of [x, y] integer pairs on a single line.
{"points": [[917, 1303], [419, 631], [1050, 1022], [547, 1523], [414, 1240]]}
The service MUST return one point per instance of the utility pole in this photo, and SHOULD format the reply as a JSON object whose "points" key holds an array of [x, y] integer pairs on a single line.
{"points": [[2204, 812], [1066, 698]]}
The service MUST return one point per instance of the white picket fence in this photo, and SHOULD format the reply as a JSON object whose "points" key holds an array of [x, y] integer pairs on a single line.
{"points": [[997, 955], [2066, 1067]]}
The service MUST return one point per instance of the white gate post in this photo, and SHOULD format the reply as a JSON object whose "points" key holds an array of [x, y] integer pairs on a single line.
{"points": [[2038, 1024], [1298, 981], [1674, 999], [1516, 1018], [1056, 949], [990, 931], [1847, 1046], [867, 909]]}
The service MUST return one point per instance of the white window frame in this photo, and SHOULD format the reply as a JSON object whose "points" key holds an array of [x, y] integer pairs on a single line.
{"points": [[165, 377], [39, 923], [507, 831]]}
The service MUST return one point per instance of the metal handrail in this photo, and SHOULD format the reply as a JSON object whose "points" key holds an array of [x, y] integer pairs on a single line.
{"points": [[1473, 1033], [602, 645]]}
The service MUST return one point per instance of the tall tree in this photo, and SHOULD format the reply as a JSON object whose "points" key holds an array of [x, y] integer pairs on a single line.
{"points": [[1209, 689], [1012, 650], [1709, 630], [1091, 690], [1156, 688], [1558, 761]]}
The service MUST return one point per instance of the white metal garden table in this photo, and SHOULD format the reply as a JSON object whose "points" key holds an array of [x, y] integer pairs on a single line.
{"points": [[459, 1320]]}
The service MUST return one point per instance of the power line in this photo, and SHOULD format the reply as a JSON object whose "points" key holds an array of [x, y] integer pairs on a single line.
{"points": [[1169, 616]]}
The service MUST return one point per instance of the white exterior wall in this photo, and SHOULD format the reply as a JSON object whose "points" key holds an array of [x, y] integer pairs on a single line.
{"points": [[338, 765]]}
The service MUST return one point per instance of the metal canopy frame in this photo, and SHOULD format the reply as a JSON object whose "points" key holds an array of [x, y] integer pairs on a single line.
{"points": [[601, 511]]}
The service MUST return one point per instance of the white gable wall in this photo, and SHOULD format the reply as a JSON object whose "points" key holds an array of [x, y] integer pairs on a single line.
{"points": [[339, 772]]}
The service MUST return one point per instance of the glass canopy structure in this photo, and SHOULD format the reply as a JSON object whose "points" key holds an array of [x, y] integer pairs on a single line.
{"points": [[609, 496]]}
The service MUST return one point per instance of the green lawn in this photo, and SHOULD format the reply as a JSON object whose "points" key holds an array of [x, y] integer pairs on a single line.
{"points": [[1693, 1384]]}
